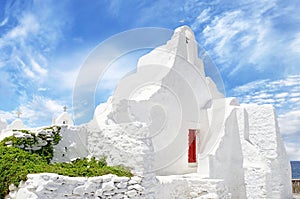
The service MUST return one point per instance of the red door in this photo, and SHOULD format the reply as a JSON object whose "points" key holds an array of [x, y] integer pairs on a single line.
{"points": [[192, 145]]}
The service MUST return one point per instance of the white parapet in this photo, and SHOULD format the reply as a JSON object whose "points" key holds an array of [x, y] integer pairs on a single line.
{"points": [[266, 164]]}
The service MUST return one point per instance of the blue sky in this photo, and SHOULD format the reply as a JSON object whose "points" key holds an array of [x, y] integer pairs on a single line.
{"points": [[254, 44]]}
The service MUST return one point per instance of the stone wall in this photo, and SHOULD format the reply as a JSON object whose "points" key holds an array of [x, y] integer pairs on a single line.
{"points": [[49, 186], [34, 140]]}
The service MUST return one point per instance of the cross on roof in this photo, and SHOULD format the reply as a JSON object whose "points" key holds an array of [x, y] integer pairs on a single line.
{"points": [[19, 114], [65, 108]]}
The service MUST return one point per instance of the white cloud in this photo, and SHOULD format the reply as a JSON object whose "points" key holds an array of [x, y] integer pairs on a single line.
{"points": [[114, 73], [232, 33], [114, 7], [249, 35], [282, 95], [27, 25], [290, 122], [25, 69], [262, 95], [295, 44], [281, 90], [249, 86], [5, 20], [36, 67], [39, 111], [64, 79], [42, 89], [294, 94], [292, 150], [203, 17], [27, 43], [7, 115], [297, 99]]}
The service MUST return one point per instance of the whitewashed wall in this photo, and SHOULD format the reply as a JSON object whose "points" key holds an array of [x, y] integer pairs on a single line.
{"points": [[266, 164], [167, 93], [73, 144], [221, 155], [121, 145]]}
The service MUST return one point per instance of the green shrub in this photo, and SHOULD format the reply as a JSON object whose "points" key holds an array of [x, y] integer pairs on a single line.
{"points": [[46, 151], [16, 163]]}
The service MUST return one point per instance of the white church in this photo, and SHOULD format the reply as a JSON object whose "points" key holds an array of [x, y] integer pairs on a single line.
{"points": [[170, 125]]}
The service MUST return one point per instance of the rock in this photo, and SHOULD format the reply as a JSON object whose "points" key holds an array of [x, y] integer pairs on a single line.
{"points": [[108, 186], [136, 187], [79, 190], [108, 193], [193, 194], [118, 196], [131, 193], [22, 184], [209, 196], [99, 192], [131, 182], [137, 179], [45, 177], [20, 146], [107, 178], [40, 189], [74, 181], [19, 135], [24, 193], [43, 143], [52, 176], [121, 179], [121, 185], [28, 136], [32, 187], [90, 187], [43, 132], [8, 143], [12, 194], [96, 180], [36, 148], [121, 190], [52, 186], [12, 187]]}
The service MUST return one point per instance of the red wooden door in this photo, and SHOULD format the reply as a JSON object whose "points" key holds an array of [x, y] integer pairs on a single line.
{"points": [[192, 146]]}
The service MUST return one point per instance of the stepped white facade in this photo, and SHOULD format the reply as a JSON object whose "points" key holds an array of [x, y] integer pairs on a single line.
{"points": [[169, 123]]}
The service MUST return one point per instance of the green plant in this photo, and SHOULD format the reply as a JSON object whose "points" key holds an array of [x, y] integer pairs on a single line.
{"points": [[28, 142], [16, 163]]}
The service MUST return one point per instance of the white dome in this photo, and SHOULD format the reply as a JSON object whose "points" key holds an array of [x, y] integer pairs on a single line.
{"points": [[16, 124], [64, 119]]}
